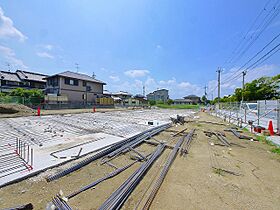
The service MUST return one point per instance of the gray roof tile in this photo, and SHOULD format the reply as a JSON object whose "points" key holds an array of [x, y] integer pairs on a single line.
{"points": [[26, 75], [79, 76], [10, 76]]}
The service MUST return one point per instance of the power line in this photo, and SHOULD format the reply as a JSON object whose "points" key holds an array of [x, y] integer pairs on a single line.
{"points": [[258, 31], [258, 62], [238, 71], [250, 28], [275, 9]]}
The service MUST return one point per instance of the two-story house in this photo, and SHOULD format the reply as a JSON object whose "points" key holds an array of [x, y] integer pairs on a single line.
{"points": [[21, 79], [76, 87]]}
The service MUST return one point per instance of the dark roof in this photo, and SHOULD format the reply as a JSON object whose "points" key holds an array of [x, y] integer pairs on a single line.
{"points": [[182, 100], [191, 96], [10, 76], [79, 76], [139, 96], [31, 76]]}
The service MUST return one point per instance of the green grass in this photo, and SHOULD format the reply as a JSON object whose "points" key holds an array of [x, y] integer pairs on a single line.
{"points": [[264, 140], [179, 106], [245, 129], [276, 150]]}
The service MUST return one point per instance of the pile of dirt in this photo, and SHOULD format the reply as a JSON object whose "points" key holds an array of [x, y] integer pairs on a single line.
{"points": [[15, 109]]}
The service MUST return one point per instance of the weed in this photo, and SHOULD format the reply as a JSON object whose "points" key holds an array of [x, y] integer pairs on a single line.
{"points": [[276, 150], [245, 129], [218, 171], [179, 106]]}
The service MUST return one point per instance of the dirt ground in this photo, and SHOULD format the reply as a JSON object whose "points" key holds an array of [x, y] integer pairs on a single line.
{"points": [[15, 110], [243, 176]]}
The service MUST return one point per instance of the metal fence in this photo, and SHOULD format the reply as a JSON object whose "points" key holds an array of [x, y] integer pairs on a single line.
{"points": [[28, 101], [35, 102], [258, 113]]}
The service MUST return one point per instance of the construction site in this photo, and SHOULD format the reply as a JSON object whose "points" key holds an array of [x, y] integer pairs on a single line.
{"points": [[135, 159]]}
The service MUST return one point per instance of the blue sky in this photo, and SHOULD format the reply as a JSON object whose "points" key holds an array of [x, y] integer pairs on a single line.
{"points": [[170, 44]]}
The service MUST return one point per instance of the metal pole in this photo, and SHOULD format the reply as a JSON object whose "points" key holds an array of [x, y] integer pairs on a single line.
{"points": [[243, 85], [219, 85], [258, 112], [278, 116], [245, 115]]}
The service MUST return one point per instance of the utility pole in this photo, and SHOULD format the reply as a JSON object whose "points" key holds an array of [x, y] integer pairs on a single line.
{"points": [[77, 67], [144, 91], [205, 91], [219, 85], [93, 75], [205, 94], [243, 84], [9, 66]]}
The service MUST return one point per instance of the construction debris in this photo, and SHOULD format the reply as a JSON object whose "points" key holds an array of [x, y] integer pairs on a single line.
{"points": [[178, 120], [28, 206], [186, 144], [219, 135], [165, 169], [117, 199], [238, 135], [112, 151]]}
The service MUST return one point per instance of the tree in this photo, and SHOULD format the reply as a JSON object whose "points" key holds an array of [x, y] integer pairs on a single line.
{"points": [[204, 99], [264, 88], [169, 101], [21, 92], [152, 102]]}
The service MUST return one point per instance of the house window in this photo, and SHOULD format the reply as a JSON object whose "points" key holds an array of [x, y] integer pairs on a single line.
{"points": [[84, 83], [69, 81]]}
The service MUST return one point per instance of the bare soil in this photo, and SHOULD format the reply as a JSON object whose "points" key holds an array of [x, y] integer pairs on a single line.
{"points": [[243, 176], [15, 110]]}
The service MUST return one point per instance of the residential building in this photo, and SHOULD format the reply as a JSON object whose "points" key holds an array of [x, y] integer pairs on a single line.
{"points": [[76, 86], [32, 79], [182, 101], [195, 99], [122, 95], [135, 102], [21, 79], [107, 94], [158, 95]]}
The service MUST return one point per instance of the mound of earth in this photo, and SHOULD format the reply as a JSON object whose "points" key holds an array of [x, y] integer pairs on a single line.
{"points": [[15, 109]]}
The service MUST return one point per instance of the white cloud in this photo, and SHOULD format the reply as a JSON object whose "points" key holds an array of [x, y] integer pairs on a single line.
{"points": [[48, 47], [45, 55], [168, 82], [7, 29], [11, 58], [114, 78], [136, 73], [159, 46], [184, 85]]}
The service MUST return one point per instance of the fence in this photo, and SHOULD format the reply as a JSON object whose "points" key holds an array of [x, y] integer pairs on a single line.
{"points": [[28, 101], [34, 102], [256, 113]]}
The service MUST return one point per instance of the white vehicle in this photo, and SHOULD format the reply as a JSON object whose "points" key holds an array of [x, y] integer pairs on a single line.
{"points": [[250, 107]]}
